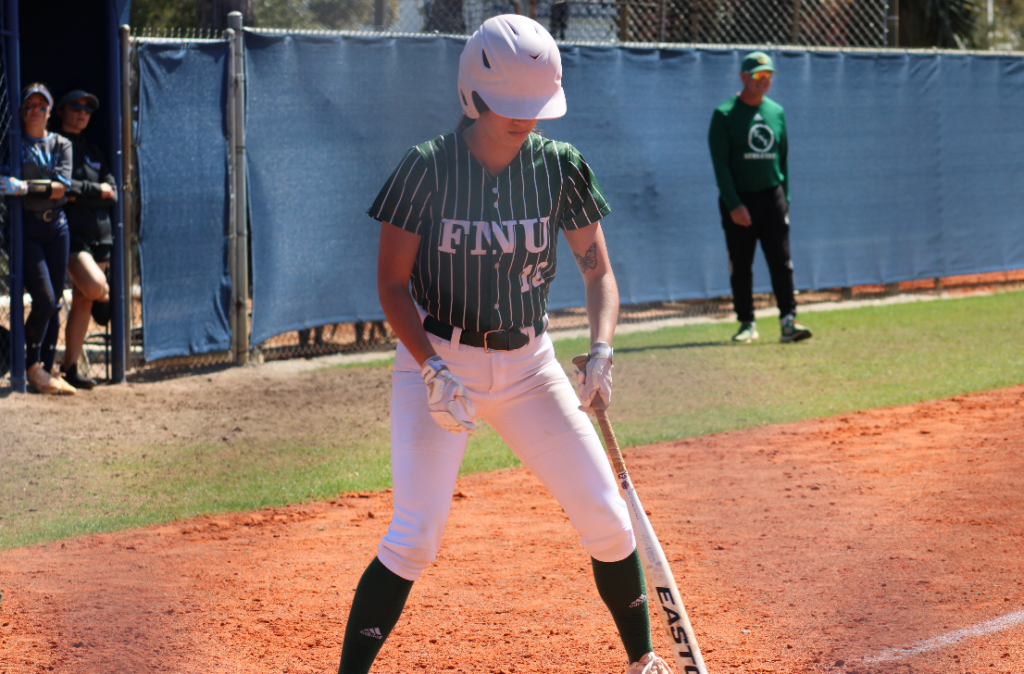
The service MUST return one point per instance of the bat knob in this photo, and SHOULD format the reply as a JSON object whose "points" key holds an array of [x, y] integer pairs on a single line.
{"points": [[581, 362]]}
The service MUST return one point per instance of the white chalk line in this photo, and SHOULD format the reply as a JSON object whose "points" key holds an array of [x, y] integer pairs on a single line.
{"points": [[995, 625]]}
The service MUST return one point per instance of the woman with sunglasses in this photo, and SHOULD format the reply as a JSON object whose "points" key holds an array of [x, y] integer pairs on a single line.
{"points": [[46, 167], [93, 191], [469, 223]]}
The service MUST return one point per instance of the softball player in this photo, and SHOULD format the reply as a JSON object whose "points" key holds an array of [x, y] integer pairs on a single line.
{"points": [[471, 218]]}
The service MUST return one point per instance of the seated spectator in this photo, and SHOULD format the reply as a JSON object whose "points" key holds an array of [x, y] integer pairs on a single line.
{"points": [[93, 191], [46, 167]]}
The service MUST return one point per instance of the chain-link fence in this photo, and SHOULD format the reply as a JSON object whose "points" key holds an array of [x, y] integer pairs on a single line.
{"points": [[136, 360], [349, 337], [852, 22], [741, 26], [825, 23], [356, 337], [722, 307], [319, 341]]}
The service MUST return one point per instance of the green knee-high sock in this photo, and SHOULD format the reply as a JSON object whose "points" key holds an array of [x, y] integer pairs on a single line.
{"points": [[621, 586], [380, 598]]}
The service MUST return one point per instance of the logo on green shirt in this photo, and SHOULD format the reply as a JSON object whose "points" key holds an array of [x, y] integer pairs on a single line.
{"points": [[761, 138]]}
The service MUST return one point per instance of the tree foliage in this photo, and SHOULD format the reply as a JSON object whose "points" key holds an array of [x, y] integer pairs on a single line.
{"points": [[333, 14], [164, 13], [1007, 30]]}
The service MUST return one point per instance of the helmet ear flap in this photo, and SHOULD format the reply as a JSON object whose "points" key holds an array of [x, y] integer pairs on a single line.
{"points": [[469, 103]]}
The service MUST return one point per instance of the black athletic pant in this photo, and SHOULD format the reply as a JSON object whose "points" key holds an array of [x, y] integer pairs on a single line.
{"points": [[768, 214], [46, 261]]}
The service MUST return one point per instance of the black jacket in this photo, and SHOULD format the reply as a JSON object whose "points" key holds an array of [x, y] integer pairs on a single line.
{"points": [[89, 215]]}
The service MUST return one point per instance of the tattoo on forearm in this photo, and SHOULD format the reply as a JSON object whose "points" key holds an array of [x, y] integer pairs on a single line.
{"points": [[588, 260]]}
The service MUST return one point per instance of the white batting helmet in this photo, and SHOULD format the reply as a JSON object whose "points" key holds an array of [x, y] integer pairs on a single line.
{"points": [[514, 65]]}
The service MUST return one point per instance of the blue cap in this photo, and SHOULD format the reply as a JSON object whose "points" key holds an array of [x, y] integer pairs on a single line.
{"points": [[37, 90]]}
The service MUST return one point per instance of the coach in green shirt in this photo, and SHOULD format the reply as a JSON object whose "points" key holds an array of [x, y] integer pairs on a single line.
{"points": [[748, 149]]}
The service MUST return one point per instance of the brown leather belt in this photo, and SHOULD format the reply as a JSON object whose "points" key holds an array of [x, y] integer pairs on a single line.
{"points": [[491, 340]]}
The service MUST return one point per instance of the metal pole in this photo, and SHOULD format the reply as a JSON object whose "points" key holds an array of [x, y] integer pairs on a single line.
{"points": [[623, 20], [991, 17], [127, 193], [795, 32], [893, 24], [12, 45], [241, 201], [378, 15], [661, 23], [229, 35], [117, 316]]}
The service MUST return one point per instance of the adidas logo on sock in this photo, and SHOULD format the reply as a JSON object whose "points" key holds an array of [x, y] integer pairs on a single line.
{"points": [[372, 632], [639, 601]]}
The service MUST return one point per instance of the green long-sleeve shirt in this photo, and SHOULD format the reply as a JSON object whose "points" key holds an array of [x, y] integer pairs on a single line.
{"points": [[748, 148]]}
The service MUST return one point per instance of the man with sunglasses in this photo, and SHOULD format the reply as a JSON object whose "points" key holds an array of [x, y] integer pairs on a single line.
{"points": [[748, 149]]}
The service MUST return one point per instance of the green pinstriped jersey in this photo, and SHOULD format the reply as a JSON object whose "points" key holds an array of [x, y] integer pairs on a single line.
{"points": [[488, 252]]}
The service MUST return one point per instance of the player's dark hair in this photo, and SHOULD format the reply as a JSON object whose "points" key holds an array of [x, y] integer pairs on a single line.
{"points": [[466, 120]]}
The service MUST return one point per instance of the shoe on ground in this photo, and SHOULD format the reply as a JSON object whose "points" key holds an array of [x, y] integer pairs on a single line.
{"points": [[649, 664], [793, 331], [77, 380], [63, 388], [747, 333], [41, 380]]}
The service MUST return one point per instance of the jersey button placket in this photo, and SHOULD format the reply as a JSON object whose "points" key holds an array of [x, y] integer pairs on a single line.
{"points": [[497, 265]]}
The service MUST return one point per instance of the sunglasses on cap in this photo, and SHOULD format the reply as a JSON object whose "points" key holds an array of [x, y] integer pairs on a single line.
{"points": [[78, 107], [763, 75]]}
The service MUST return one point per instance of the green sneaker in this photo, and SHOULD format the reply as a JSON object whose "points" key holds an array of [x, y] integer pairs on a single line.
{"points": [[793, 331], [747, 333]]}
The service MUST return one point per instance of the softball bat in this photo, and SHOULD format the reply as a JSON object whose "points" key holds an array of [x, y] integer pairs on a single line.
{"points": [[673, 616]]}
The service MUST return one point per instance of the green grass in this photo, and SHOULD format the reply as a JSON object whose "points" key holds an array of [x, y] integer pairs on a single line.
{"points": [[669, 384], [683, 382]]}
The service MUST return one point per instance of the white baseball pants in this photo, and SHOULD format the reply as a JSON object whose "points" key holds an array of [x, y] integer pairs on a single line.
{"points": [[528, 399]]}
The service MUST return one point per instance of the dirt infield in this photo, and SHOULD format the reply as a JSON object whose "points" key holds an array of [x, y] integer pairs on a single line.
{"points": [[882, 541]]}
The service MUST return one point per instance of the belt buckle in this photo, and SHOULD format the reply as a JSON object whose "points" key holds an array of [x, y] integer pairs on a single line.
{"points": [[488, 349]]}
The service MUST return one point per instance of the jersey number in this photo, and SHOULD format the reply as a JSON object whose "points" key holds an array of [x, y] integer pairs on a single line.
{"points": [[536, 280]]}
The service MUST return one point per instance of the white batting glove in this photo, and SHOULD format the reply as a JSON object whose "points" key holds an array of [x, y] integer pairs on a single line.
{"points": [[12, 187], [449, 403], [598, 377]]}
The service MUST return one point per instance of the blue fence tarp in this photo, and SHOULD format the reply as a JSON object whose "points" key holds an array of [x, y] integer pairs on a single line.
{"points": [[183, 176], [903, 165], [327, 120]]}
